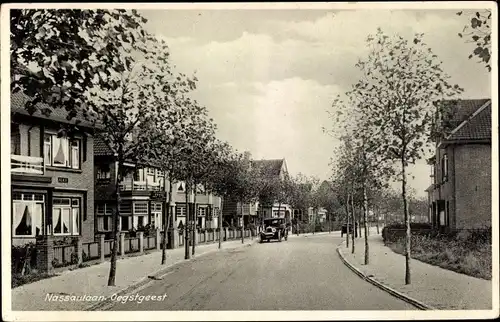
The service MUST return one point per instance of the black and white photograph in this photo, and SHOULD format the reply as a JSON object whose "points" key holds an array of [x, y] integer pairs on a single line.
{"points": [[249, 161]]}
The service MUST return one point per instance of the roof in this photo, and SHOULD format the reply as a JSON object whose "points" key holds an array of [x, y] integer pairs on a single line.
{"points": [[462, 109], [101, 148], [19, 99], [272, 166], [476, 127]]}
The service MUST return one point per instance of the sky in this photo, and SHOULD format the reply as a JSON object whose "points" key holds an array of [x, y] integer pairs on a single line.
{"points": [[268, 77]]}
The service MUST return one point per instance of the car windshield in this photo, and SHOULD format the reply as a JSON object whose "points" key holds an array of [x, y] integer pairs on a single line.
{"points": [[273, 222]]}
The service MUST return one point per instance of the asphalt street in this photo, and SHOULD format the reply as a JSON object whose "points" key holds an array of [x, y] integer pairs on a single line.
{"points": [[303, 273]]}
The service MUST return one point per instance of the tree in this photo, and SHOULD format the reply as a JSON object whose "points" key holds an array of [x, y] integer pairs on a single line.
{"points": [[85, 61], [402, 84], [221, 179], [199, 166], [478, 31], [301, 194], [58, 55], [245, 183], [124, 110], [165, 136]]}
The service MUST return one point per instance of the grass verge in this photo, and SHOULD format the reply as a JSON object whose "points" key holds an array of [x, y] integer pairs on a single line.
{"points": [[473, 258]]}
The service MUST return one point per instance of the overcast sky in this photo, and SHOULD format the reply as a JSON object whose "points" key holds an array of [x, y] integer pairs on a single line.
{"points": [[269, 77]]}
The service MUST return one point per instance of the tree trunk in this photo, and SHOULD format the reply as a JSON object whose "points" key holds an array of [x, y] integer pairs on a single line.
{"points": [[195, 218], [242, 224], [166, 222], [365, 215], [186, 226], [116, 220], [348, 217], [220, 222], [407, 222], [354, 228], [378, 224]]}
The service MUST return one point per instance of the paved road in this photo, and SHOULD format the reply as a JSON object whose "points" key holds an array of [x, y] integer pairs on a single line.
{"points": [[303, 273]]}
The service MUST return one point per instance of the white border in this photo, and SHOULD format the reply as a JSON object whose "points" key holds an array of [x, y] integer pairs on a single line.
{"points": [[7, 314]]}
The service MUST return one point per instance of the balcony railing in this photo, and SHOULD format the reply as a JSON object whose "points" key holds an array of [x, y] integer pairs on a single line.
{"points": [[139, 186], [26, 164]]}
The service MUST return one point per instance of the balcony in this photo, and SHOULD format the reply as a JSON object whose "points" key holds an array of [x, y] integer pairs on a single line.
{"points": [[132, 185], [21, 164]]}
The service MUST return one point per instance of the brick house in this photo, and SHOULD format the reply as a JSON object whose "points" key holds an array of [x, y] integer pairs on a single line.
{"points": [[52, 175], [143, 193], [460, 195]]}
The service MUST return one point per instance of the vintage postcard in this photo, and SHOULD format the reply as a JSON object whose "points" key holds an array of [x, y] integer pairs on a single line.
{"points": [[249, 161]]}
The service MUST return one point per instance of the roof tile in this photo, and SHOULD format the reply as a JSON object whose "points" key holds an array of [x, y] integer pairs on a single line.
{"points": [[477, 127]]}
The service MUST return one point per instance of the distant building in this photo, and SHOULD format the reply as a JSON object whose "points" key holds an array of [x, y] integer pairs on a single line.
{"points": [[254, 212], [460, 195]]}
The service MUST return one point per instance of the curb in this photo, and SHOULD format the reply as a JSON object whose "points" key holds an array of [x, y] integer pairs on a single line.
{"points": [[393, 292], [150, 278]]}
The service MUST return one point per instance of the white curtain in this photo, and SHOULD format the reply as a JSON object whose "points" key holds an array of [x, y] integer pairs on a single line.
{"points": [[76, 221], [56, 220], [66, 215], [60, 151], [18, 212]]}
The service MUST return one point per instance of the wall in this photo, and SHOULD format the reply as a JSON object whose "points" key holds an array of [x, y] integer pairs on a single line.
{"points": [[473, 185], [78, 181]]}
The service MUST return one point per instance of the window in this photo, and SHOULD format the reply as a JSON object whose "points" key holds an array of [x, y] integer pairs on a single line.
{"points": [[140, 208], [125, 223], [104, 217], [66, 216], [156, 214], [125, 208], [156, 207], [61, 151], [180, 187], [444, 167], [202, 211], [180, 211], [151, 172], [103, 172], [27, 214]]}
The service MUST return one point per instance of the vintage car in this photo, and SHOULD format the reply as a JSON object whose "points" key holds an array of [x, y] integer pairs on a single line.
{"points": [[274, 228]]}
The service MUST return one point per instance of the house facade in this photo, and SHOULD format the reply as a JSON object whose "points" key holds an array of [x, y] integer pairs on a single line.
{"points": [[52, 175], [460, 194], [143, 193], [207, 206]]}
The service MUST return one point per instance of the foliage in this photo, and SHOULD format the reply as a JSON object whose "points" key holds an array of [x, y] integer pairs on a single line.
{"points": [[18, 257], [471, 255], [58, 55], [18, 279], [395, 231], [478, 32]]}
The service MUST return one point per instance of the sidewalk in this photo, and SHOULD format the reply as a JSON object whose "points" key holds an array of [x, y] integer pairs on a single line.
{"points": [[92, 281], [434, 286]]}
